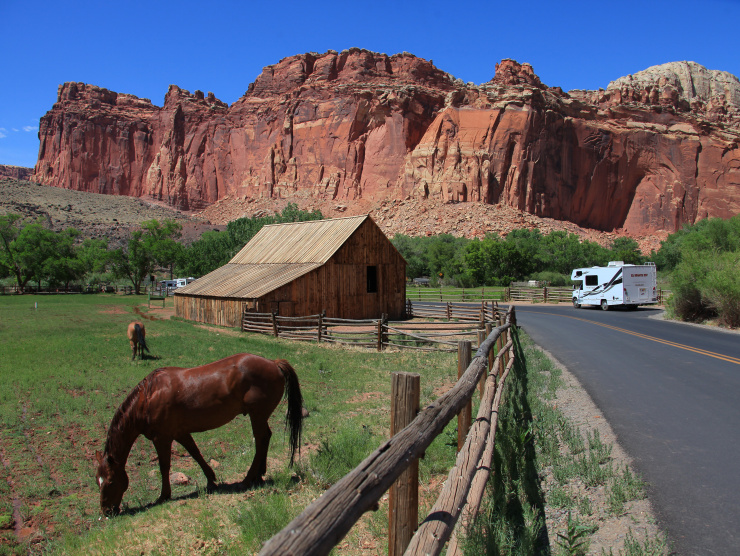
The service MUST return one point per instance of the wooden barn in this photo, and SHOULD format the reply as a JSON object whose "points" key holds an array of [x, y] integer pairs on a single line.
{"points": [[344, 266]]}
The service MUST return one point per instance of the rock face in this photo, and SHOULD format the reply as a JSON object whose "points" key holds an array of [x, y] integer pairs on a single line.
{"points": [[654, 151], [15, 172]]}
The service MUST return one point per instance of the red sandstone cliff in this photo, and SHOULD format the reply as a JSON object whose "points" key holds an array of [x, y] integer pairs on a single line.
{"points": [[643, 156], [15, 172]]}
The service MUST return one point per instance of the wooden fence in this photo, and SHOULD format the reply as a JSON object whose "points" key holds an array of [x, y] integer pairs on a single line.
{"points": [[545, 294], [457, 294], [449, 311], [330, 517], [381, 333]]}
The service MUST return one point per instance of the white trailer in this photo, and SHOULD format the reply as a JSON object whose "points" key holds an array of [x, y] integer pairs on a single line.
{"points": [[628, 285]]}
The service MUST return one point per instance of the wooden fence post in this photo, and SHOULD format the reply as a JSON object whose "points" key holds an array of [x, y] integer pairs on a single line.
{"points": [[482, 384], [274, 324], [382, 334], [321, 325], [403, 498], [491, 353], [505, 355], [465, 417], [449, 311], [499, 345]]}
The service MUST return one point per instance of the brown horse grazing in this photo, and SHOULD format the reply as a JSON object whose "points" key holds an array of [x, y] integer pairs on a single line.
{"points": [[136, 337], [173, 402]]}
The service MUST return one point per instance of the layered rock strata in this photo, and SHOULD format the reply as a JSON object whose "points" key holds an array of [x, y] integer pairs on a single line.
{"points": [[648, 154]]}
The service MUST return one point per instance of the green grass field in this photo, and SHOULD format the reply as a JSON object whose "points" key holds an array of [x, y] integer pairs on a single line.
{"points": [[66, 366]]}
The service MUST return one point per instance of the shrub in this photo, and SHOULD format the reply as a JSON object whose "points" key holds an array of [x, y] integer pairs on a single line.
{"points": [[705, 285], [721, 288], [687, 302]]}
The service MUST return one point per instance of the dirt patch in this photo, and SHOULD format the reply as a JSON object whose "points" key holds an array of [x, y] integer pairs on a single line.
{"points": [[366, 396]]}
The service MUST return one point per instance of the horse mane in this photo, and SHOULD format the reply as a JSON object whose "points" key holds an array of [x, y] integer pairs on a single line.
{"points": [[125, 414]]}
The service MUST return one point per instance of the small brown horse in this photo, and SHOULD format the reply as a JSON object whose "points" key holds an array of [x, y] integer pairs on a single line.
{"points": [[137, 338], [173, 402]]}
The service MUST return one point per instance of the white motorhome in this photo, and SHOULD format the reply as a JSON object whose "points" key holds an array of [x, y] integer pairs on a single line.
{"points": [[628, 285], [176, 283]]}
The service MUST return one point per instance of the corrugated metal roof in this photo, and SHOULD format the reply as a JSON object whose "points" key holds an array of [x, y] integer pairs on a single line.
{"points": [[275, 256]]}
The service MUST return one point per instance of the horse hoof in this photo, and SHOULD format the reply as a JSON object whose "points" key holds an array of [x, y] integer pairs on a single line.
{"points": [[252, 483], [211, 488]]}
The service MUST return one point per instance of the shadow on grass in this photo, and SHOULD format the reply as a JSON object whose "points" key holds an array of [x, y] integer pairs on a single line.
{"points": [[221, 488]]}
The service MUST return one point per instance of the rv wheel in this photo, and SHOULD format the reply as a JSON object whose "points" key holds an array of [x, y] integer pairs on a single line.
{"points": [[604, 305], [576, 304]]}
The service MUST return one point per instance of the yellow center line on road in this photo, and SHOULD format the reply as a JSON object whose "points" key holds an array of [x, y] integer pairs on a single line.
{"points": [[727, 358]]}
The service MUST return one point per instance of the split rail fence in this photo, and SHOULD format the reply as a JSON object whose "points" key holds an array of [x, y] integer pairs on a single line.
{"points": [[381, 333], [329, 518], [544, 294], [457, 294]]}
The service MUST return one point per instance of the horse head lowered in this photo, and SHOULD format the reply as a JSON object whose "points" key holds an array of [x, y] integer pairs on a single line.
{"points": [[171, 403]]}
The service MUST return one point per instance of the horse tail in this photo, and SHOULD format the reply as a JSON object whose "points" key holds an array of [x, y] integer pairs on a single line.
{"points": [[140, 337], [294, 417]]}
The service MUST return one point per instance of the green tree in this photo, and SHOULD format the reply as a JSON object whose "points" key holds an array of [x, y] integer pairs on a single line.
{"points": [[627, 250], [64, 265], [161, 241], [94, 255], [211, 251], [34, 249], [10, 227], [412, 250], [147, 248]]}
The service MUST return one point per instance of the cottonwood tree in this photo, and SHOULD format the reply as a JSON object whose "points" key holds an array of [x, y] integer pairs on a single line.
{"points": [[10, 228], [152, 246]]}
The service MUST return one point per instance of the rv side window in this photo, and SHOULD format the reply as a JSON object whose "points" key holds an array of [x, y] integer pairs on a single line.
{"points": [[592, 280]]}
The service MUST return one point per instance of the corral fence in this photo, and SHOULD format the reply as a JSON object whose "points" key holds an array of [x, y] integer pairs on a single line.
{"points": [[72, 288], [522, 291], [462, 295], [382, 333], [394, 464], [14, 290]]}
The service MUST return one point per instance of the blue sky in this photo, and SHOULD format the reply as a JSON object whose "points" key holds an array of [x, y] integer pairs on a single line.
{"points": [[141, 48]]}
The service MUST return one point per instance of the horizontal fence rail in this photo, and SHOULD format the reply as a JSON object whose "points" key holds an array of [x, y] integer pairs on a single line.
{"points": [[329, 518], [381, 333], [422, 293]]}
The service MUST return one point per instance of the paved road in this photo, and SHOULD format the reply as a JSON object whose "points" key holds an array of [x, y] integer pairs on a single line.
{"points": [[670, 392]]}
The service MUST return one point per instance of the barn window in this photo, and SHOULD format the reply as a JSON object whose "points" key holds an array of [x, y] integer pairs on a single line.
{"points": [[372, 279]]}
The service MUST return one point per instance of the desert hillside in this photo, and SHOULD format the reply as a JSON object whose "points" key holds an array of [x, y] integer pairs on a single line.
{"points": [[113, 216], [95, 215]]}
